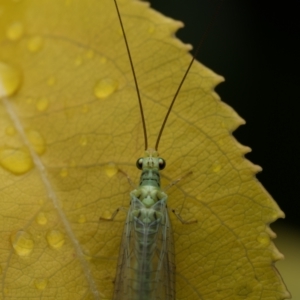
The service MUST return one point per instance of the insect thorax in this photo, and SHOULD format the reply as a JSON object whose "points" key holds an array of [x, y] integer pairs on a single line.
{"points": [[149, 191]]}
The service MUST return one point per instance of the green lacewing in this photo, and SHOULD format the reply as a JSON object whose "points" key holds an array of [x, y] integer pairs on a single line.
{"points": [[146, 264]]}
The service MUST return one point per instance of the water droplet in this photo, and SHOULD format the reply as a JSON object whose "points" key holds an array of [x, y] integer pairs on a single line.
{"points": [[264, 239], [15, 31], [22, 243], [51, 81], [55, 239], [17, 161], [90, 54], [35, 44], [37, 141], [106, 215], [42, 104], [41, 284], [217, 168], [111, 169], [78, 61], [64, 172], [105, 88], [82, 219], [10, 80], [10, 130], [41, 219], [83, 141]]}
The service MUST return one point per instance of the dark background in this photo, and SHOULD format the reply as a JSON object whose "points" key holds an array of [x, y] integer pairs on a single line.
{"points": [[255, 45]]}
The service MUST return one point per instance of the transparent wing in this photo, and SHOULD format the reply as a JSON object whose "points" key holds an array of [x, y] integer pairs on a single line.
{"points": [[165, 286], [146, 268]]}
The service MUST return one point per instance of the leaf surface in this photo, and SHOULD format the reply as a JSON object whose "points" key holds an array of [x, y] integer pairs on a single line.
{"points": [[70, 129]]}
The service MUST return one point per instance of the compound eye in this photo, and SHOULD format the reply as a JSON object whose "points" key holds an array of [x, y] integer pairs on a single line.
{"points": [[161, 163], [139, 163]]}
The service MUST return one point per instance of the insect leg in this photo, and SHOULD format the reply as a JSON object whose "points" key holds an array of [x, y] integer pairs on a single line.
{"points": [[177, 180], [182, 220], [119, 208], [173, 210], [128, 178], [113, 215]]}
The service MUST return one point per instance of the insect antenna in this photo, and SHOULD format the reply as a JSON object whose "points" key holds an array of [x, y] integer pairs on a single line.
{"points": [[134, 76], [196, 52]]}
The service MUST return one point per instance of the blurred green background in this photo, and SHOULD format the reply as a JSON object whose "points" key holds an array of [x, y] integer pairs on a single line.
{"points": [[255, 45]]}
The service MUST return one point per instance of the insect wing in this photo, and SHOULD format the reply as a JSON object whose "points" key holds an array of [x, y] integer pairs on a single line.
{"points": [[165, 287], [146, 269]]}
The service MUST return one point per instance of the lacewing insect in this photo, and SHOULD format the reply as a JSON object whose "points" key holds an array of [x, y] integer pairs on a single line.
{"points": [[146, 264]]}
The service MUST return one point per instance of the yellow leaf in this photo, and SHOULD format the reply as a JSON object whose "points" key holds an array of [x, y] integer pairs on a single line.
{"points": [[70, 129]]}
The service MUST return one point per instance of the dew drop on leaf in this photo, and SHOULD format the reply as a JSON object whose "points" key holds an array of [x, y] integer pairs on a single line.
{"points": [[105, 87], [17, 161], [22, 243], [42, 104], [111, 169], [81, 219], [216, 168], [10, 80], [10, 130], [41, 284], [55, 239], [15, 31], [41, 218], [35, 44]]}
